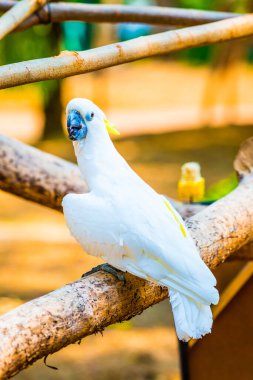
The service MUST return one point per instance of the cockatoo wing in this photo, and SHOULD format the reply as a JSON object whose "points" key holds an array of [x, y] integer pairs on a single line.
{"points": [[160, 248], [145, 239]]}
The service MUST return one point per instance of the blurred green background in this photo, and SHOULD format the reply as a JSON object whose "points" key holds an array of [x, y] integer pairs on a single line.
{"points": [[194, 105]]}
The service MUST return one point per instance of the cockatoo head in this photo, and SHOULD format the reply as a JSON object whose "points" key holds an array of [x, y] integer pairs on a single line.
{"points": [[85, 119]]}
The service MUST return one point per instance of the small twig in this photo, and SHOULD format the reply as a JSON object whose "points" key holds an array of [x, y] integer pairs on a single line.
{"points": [[18, 13], [47, 365]]}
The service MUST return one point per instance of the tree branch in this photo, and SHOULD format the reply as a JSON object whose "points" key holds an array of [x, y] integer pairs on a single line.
{"points": [[65, 316], [37, 176], [116, 13], [18, 13], [73, 63]]}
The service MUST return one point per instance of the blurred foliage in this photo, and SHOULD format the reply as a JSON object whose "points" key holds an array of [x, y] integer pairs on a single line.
{"points": [[221, 188], [217, 5], [44, 41], [78, 35], [38, 42], [206, 54], [127, 31], [30, 44]]}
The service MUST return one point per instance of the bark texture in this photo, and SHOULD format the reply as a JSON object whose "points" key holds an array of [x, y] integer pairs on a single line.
{"points": [[45, 325], [243, 163], [37, 176], [18, 13], [70, 63], [225, 226], [85, 307], [116, 13]]}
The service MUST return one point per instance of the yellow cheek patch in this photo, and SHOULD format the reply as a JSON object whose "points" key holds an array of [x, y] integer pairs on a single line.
{"points": [[111, 128], [176, 218]]}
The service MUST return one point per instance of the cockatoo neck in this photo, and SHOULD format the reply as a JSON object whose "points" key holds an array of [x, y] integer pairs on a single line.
{"points": [[98, 161]]}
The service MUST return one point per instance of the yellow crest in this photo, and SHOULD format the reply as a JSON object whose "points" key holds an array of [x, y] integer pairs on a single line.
{"points": [[111, 128]]}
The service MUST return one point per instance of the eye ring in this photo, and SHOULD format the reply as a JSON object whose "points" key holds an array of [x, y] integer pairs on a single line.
{"points": [[89, 116]]}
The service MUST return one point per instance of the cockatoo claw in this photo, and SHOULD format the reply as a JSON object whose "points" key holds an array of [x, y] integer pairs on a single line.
{"points": [[107, 268]]}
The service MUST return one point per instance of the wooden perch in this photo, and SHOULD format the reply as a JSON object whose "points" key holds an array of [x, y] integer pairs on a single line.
{"points": [[18, 13], [116, 13], [67, 315], [243, 163], [73, 63], [37, 176], [45, 325]]}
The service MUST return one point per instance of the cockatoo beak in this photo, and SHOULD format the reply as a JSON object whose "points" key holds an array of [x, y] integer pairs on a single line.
{"points": [[111, 128], [77, 128]]}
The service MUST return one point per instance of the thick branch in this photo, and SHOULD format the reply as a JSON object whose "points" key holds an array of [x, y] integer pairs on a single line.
{"points": [[85, 307], [187, 210], [116, 13], [18, 13], [73, 63], [37, 176], [225, 226]]}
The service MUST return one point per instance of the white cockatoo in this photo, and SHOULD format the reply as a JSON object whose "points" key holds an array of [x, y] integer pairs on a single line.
{"points": [[126, 223]]}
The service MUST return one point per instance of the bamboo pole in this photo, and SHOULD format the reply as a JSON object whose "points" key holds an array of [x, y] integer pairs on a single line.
{"points": [[116, 13], [70, 63], [18, 13]]}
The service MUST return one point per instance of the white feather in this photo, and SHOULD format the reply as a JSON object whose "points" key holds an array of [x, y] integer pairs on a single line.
{"points": [[125, 222]]}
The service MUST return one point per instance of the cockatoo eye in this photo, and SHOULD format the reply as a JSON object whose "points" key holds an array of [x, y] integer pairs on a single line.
{"points": [[89, 116]]}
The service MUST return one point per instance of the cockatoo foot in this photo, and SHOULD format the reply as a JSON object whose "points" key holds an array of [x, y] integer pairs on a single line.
{"points": [[109, 269]]}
